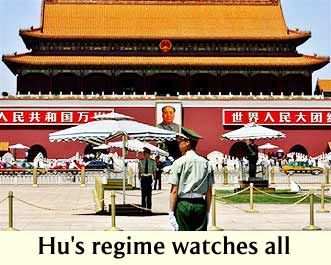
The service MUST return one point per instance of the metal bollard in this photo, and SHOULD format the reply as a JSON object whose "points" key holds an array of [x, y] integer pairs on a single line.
{"points": [[251, 199], [113, 214], [214, 227], [226, 176], [272, 173], [289, 181], [130, 178], [10, 212], [83, 177], [311, 226], [35, 178], [327, 175], [323, 210]]}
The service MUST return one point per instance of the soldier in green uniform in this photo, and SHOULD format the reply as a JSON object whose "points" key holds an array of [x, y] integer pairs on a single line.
{"points": [[191, 180], [147, 170]]}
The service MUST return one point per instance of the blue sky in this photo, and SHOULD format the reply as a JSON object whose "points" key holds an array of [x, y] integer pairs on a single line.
{"points": [[313, 15]]}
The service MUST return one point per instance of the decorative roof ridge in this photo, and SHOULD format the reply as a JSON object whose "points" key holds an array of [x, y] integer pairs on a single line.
{"points": [[31, 29], [298, 31], [15, 55], [166, 2], [315, 56]]}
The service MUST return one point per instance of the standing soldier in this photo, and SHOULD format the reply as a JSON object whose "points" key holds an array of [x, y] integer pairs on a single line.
{"points": [[252, 157], [191, 180], [147, 169], [159, 167]]}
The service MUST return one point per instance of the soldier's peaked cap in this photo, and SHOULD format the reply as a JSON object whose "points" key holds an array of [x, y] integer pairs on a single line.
{"points": [[189, 134], [147, 150]]}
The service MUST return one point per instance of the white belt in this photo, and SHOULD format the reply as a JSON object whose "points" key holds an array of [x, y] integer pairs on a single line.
{"points": [[146, 175], [191, 195]]}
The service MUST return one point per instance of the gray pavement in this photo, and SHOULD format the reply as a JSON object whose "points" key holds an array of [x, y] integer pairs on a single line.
{"points": [[72, 208]]}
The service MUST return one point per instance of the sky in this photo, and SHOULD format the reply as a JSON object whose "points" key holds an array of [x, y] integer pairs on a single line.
{"points": [[310, 15]]}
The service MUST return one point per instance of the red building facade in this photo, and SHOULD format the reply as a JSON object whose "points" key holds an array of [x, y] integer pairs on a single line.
{"points": [[306, 122]]}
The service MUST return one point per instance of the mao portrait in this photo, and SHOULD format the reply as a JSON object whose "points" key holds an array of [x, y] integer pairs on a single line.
{"points": [[168, 116]]}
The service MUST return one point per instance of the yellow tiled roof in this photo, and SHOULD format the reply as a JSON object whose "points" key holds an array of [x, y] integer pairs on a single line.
{"points": [[324, 85], [222, 20], [28, 59]]}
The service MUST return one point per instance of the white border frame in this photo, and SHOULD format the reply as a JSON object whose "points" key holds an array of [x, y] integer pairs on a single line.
{"points": [[274, 109], [179, 112]]}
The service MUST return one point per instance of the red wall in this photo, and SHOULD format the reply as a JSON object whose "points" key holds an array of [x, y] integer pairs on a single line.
{"points": [[206, 121]]}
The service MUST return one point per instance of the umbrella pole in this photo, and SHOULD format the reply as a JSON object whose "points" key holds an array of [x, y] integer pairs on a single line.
{"points": [[124, 140]]}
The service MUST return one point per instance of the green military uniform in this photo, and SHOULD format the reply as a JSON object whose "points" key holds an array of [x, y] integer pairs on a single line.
{"points": [[192, 174], [151, 166], [147, 168]]}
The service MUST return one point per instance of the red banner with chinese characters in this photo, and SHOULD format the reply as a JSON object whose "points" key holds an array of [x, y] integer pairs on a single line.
{"points": [[49, 116], [283, 117]]}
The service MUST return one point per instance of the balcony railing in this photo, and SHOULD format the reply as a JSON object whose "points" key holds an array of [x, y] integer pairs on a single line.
{"points": [[146, 95]]}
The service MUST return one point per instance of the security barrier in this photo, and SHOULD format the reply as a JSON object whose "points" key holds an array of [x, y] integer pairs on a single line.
{"points": [[311, 226], [36, 177], [251, 199], [301, 198], [327, 175], [226, 176], [322, 197], [272, 175], [113, 214], [231, 176], [100, 199], [10, 212], [99, 194], [83, 177], [214, 227]]}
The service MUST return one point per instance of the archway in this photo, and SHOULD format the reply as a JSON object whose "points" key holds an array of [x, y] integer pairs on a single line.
{"points": [[129, 83], [239, 150], [164, 84], [299, 149], [265, 83], [33, 83], [234, 83], [35, 150], [203, 83], [297, 84], [97, 83], [66, 83]]}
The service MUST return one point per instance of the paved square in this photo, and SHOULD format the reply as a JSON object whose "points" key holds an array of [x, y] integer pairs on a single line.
{"points": [[72, 208]]}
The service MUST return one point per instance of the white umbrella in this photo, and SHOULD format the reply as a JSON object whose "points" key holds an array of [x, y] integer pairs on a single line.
{"points": [[253, 131], [109, 126], [102, 147], [138, 146], [214, 155], [97, 132], [18, 147], [268, 146]]}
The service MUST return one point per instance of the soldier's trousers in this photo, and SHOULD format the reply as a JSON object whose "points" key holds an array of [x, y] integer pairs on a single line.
{"points": [[146, 192], [191, 214], [252, 170]]}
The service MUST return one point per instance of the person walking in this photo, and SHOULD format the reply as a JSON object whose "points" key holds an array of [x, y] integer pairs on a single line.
{"points": [[191, 180], [147, 170], [158, 174]]}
